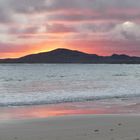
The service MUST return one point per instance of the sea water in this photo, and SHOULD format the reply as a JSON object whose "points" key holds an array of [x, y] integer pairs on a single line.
{"points": [[37, 84]]}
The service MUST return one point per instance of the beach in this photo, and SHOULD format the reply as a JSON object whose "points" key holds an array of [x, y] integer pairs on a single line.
{"points": [[70, 70], [80, 127], [69, 102]]}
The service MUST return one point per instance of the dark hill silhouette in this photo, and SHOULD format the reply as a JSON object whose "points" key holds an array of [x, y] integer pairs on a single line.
{"points": [[72, 56]]}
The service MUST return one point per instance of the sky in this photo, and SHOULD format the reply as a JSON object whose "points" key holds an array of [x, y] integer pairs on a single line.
{"points": [[102, 27]]}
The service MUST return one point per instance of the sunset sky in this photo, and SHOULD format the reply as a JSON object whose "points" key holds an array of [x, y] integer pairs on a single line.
{"points": [[101, 27]]}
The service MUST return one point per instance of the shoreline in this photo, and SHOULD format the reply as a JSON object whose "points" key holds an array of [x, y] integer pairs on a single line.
{"points": [[67, 109], [80, 127]]}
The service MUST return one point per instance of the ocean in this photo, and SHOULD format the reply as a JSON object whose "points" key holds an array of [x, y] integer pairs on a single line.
{"points": [[38, 84], [78, 85]]}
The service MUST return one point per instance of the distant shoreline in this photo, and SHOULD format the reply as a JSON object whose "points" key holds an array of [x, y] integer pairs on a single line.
{"points": [[67, 63], [65, 56]]}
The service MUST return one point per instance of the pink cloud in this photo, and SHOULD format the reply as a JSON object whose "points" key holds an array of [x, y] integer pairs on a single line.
{"points": [[60, 28]]}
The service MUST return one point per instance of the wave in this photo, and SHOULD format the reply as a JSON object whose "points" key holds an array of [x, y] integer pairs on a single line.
{"points": [[67, 100], [39, 84]]}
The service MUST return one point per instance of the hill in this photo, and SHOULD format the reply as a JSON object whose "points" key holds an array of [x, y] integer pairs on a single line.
{"points": [[72, 56]]}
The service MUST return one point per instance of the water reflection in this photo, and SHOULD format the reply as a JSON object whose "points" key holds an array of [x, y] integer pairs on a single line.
{"points": [[44, 111]]}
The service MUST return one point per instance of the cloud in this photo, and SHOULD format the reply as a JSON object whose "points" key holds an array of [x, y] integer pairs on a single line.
{"points": [[33, 21], [127, 30], [28, 6], [93, 4], [60, 28], [25, 30], [111, 15], [5, 12], [97, 27], [106, 47]]}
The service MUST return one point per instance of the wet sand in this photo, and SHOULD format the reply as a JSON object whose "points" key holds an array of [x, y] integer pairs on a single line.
{"points": [[81, 127]]}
